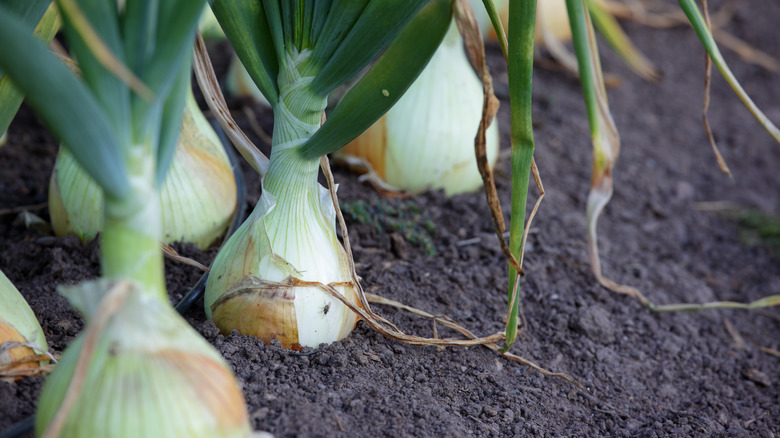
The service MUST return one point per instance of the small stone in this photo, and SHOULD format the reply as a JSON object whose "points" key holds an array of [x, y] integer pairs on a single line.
{"points": [[508, 416], [490, 411], [260, 414], [399, 246], [594, 322], [360, 358], [757, 376], [209, 330]]}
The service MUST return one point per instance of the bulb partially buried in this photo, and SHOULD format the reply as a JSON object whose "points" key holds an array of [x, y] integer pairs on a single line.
{"points": [[138, 370], [255, 281]]}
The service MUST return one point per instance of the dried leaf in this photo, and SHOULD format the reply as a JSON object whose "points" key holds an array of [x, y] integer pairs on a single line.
{"points": [[207, 81]]}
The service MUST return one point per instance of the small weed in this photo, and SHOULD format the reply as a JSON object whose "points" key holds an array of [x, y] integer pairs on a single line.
{"points": [[760, 227], [407, 218]]}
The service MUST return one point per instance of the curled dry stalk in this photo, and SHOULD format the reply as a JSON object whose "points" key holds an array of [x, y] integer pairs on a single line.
{"points": [[705, 106], [464, 17], [375, 321], [207, 81], [172, 254], [448, 322]]}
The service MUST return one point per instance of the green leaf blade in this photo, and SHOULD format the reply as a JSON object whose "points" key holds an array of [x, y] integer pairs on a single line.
{"points": [[385, 83], [246, 26], [64, 103], [378, 25], [47, 26], [520, 70], [112, 94], [332, 24], [167, 45], [171, 121]]}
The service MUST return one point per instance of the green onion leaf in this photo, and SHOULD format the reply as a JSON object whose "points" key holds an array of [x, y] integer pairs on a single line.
{"points": [[246, 26], [335, 23], [64, 103], [520, 69], [377, 26], [171, 121], [385, 83], [85, 20], [47, 25]]}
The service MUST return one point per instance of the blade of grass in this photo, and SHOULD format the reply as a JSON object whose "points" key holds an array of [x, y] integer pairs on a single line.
{"points": [[385, 83], [64, 103], [699, 25], [520, 70]]}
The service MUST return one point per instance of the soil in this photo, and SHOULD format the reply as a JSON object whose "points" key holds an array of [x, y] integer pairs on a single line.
{"points": [[645, 374]]}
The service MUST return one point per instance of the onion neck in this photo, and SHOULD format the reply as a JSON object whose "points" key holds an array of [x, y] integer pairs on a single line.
{"points": [[132, 228], [291, 179]]}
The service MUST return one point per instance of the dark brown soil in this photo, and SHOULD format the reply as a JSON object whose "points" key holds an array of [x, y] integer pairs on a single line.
{"points": [[647, 374]]}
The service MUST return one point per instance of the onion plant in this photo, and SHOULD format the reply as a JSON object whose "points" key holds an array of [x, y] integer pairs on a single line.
{"points": [[604, 135], [267, 280], [139, 369]]}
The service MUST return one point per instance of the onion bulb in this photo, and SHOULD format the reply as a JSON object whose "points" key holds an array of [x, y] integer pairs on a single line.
{"points": [[21, 336], [138, 370], [426, 140], [198, 196], [254, 285], [551, 16]]}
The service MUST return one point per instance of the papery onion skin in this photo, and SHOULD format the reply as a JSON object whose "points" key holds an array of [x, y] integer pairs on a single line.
{"points": [[197, 199], [285, 238], [148, 375], [426, 141], [18, 324]]}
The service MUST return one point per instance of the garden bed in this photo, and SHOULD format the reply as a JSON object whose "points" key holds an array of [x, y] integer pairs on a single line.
{"points": [[646, 374]]}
